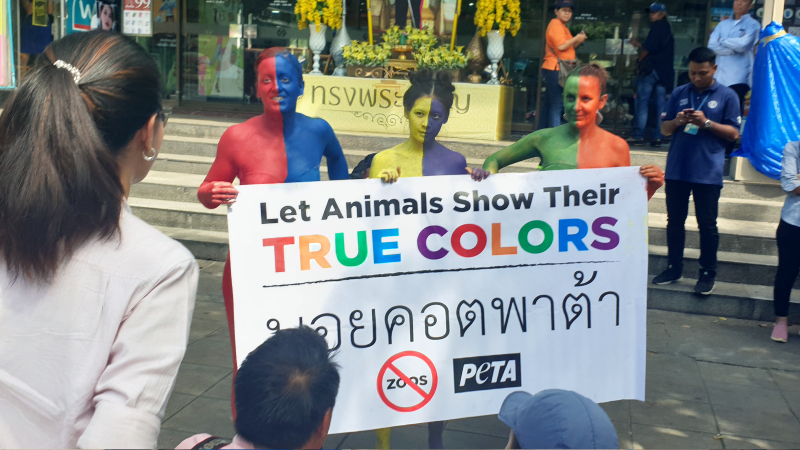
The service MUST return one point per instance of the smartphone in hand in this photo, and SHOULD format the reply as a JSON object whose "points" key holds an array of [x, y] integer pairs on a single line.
{"points": [[688, 111]]}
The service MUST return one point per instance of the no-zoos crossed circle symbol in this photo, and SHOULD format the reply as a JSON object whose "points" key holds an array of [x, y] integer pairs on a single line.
{"points": [[407, 381]]}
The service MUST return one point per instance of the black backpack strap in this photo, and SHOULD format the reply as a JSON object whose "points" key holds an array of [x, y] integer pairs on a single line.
{"points": [[211, 443]]}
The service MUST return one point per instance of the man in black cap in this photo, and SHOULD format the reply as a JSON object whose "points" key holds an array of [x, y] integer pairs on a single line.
{"points": [[655, 73]]}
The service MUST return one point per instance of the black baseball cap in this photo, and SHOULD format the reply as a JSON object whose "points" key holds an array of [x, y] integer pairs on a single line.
{"points": [[565, 4]]}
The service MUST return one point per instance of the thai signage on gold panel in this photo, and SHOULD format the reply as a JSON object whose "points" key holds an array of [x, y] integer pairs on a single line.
{"points": [[376, 106]]}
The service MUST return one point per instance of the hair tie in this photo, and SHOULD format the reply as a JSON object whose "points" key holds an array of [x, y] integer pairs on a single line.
{"points": [[76, 74]]}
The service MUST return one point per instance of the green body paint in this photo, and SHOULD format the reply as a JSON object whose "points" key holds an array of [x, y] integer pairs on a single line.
{"points": [[557, 147]]}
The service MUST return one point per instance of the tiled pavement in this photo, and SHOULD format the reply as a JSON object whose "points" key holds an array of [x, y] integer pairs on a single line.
{"points": [[711, 383]]}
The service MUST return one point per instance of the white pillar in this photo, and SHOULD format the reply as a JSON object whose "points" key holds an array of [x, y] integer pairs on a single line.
{"points": [[773, 11]]}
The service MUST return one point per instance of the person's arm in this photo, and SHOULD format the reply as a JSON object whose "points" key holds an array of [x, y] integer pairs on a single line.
{"points": [[724, 131], [132, 392], [218, 187], [714, 42], [728, 127], [561, 39], [789, 175], [657, 38], [670, 126], [573, 42], [383, 167], [521, 150], [672, 118], [745, 43], [655, 178], [337, 163]]}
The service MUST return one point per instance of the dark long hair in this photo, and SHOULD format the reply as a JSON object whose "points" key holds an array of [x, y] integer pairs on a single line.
{"points": [[427, 83], [59, 140]]}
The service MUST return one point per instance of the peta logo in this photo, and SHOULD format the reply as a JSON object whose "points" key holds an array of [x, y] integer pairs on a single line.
{"points": [[482, 373]]}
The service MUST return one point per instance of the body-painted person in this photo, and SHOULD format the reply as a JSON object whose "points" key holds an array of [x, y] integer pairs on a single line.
{"points": [[427, 104], [580, 143], [279, 146]]}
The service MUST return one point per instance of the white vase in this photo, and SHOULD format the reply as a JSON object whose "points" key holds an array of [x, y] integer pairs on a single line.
{"points": [[341, 40], [317, 44], [494, 51]]}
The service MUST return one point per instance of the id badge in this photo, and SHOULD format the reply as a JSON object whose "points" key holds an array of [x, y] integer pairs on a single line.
{"points": [[691, 128]]}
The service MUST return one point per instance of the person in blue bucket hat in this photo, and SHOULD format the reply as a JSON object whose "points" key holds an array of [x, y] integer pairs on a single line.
{"points": [[556, 418]]}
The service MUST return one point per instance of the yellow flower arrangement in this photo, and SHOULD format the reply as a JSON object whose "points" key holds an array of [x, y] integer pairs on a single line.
{"points": [[318, 12], [441, 58], [501, 15], [363, 54], [416, 38]]}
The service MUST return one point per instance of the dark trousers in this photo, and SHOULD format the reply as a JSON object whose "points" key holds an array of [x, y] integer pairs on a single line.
{"points": [[551, 117], [741, 90], [706, 209], [401, 11], [788, 237]]}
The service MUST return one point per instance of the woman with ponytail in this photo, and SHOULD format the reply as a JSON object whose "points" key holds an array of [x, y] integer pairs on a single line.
{"points": [[95, 305]]}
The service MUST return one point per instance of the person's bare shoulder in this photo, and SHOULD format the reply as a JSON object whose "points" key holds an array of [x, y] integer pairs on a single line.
{"points": [[619, 148], [241, 132], [382, 160]]}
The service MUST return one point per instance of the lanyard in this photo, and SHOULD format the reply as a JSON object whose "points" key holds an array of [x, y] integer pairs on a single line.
{"points": [[703, 102]]}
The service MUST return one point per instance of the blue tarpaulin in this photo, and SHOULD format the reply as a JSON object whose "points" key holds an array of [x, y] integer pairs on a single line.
{"points": [[774, 118]]}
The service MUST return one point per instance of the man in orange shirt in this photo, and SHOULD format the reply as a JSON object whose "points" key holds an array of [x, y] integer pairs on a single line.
{"points": [[560, 45]]}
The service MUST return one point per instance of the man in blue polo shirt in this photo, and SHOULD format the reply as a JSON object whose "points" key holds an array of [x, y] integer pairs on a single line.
{"points": [[703, 117]]}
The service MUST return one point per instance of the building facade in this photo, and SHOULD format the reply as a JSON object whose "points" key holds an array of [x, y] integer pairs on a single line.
{"points": [[206, 49]]}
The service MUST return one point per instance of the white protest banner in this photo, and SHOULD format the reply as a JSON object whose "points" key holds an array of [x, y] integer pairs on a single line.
{"points": [[442, 295]]}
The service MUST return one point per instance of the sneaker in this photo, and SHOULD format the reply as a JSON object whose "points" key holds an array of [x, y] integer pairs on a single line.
{"points": [[634, 141], [705, 285], [671, 275], [780, 332], [656, 143]]}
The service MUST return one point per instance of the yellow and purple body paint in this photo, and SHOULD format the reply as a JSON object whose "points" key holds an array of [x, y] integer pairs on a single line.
{"points": [[421, 155]]}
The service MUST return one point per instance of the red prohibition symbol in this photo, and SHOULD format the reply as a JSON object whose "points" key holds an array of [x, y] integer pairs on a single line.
{"points": [[425, 396]]}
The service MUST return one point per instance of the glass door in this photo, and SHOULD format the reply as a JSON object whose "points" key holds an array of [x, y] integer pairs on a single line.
{"points": [[212, 66], [609, 23], [163, 46]]}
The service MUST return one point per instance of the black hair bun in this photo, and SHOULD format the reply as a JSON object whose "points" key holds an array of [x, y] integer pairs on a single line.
{"points": [[438, 84]]}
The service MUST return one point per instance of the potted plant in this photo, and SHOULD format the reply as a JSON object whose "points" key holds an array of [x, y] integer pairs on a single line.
{"points": [[413, 37], [494, 18], [323, 14], [364, 60], [442, 58]]}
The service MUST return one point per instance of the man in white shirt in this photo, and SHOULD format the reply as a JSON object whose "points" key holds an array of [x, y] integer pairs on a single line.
{"points": [[733, 40]]}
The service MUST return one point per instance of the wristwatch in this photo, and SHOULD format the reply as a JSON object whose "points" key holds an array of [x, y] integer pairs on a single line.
{"points": [[707, 124]]}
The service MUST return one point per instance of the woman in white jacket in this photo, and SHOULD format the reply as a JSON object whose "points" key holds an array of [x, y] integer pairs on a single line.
{"points": [[95, 305]]}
